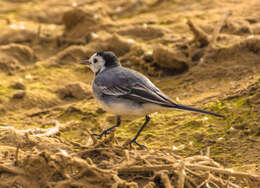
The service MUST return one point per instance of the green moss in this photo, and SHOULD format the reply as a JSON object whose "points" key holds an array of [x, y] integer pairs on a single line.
{"points": [[216, 106], [193, 124], [240, 102]]}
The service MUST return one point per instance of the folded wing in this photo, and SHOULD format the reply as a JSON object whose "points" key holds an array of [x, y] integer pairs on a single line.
{"points": [[140, 93]]}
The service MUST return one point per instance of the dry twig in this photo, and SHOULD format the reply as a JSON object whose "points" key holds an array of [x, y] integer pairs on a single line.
{"points": [[219, 26], [104, 164]]}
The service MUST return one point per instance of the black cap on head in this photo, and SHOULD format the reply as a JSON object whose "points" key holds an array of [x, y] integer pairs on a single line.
{"points": [[110, 58]]}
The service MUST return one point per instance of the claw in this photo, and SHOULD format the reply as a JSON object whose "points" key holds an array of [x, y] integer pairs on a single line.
{"points": [[109, 130], [105, 132], [97, 135], [140, 145]]}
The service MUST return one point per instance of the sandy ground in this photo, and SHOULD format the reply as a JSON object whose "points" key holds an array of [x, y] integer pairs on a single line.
{"points": [[202, 53]]}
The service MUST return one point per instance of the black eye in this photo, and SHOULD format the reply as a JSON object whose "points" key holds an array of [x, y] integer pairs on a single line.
{"points": [[95, 60]]}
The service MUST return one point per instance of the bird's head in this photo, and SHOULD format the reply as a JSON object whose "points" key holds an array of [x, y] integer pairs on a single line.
{"points": [[100, 61]]}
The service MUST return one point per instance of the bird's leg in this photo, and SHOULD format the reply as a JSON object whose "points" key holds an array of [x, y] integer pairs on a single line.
{"points": [[107, 131], [147, 119]]}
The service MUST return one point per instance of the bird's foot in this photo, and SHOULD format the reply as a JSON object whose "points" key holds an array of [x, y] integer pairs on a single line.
{"points": [[135, 142], [105, 132]]}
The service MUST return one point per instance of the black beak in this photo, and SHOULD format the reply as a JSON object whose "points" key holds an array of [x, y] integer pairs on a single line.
{"points": [[85, 62]]}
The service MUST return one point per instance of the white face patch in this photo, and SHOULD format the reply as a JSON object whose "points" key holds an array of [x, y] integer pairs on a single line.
{"points": [[97, 63]]}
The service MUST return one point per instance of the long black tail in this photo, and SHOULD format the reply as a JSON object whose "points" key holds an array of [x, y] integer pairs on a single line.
{"points": [[182, 107]]}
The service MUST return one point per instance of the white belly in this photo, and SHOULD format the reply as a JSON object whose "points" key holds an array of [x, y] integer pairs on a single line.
{"points": [[124, 109]]}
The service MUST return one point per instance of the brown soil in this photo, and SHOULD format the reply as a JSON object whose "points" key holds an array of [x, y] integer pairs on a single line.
{"points": [[204, 53]]}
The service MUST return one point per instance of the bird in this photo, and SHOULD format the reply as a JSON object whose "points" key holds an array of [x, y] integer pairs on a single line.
{"points": [[126, 92]]}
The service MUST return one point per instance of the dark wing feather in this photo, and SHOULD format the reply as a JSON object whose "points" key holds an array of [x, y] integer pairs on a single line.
{"points": [[142, 94]]}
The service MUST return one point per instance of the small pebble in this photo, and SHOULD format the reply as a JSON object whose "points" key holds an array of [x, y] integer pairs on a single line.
{"points": [[130, 41], [118, 9], [28, 76], [19, 95], [94, 35], [174, 148], [205, 118]]}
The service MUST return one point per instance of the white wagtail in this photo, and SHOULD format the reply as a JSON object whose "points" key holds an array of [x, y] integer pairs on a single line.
{"points": [[123, 91]]}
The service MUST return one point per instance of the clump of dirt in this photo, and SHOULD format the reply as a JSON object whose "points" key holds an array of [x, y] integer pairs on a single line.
{"points": [[14, 57], [21, 52], [42, 13], [221, 60], [160, 62], [144, 32], [237, 27], [8, 36], [75, 91], [29, 100], [19, 95], [9, 64], [18, 85], [170, 60], [70, 55], [80, 23], [114, 43]]}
